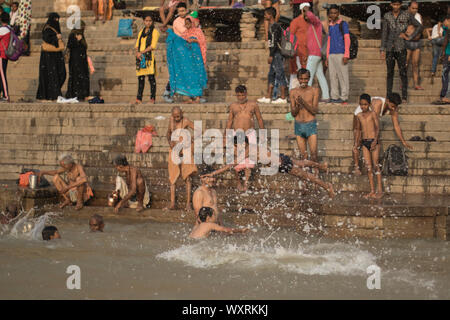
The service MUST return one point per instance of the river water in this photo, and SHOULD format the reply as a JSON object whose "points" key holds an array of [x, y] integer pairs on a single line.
{"points": [[149, 260]]}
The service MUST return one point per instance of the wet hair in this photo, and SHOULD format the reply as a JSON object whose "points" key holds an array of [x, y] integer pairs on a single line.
{"points": [[97, 218], [271, 11], [303, 71], [333, 6], [394, 97], [241, 89], [120, 160], [366, 97], [396, 1], [206, 169], [66, 158], [182, 5], [205, 212], [48, 232], [5, 18]]}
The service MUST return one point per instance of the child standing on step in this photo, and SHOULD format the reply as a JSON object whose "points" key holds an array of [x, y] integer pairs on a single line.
{"points": [[145, 58], [369, 124]]}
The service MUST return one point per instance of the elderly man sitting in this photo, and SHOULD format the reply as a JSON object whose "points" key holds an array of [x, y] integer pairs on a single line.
{"points": [[74, 187]]}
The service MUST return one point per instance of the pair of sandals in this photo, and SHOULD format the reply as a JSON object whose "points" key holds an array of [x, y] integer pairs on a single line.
{"points": [[427, 138], [440, 102]]}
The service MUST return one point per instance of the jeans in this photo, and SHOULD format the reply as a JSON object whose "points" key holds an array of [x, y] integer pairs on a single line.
{"points": [[436, 54], [315, 67], [445, 70], [152, 81], [400, 57], [276, 72]]}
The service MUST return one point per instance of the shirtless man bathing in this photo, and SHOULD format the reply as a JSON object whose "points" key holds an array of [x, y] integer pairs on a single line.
{"points": [[186, 170], [206, 223], [242, 116], [76, 188], [381, 107], [304, 107], [135, 185], [206, 195]]}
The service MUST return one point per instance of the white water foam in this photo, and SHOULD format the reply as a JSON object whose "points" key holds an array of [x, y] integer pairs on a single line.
{"points": [[316, 259], [29, 228]]}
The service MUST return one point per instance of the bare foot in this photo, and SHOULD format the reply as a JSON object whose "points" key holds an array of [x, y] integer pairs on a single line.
{"points": [[331, 191], [188, 208], [139, 208], [79, 206], [239, 186], [324, 167], [379, 195], [369, 195], [356, 171], [64, 204], [170, 207]]}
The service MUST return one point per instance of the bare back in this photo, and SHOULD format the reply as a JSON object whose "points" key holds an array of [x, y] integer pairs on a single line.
{"points": [[205, 197]]}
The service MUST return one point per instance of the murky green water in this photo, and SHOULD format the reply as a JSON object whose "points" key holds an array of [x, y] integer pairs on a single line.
{"points": [[148, 260]]}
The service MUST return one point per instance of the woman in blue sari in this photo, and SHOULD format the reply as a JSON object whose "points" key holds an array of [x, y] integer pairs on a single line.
{"points": [[186, 66]]}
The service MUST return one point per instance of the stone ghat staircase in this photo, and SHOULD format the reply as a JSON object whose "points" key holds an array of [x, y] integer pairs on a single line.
{"points": [[229, 64], [33, 135]]}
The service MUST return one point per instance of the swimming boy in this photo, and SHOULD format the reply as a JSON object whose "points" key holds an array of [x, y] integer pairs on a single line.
{"points": [[50, 233], [369, 124], [206, 195], [96, 223], [205, 224]]}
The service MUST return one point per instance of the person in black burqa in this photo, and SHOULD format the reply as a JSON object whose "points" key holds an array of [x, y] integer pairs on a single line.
{"points": [[78, 86], [52, 69]]}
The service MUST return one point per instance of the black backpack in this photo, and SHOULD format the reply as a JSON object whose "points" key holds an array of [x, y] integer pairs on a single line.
{"points": [[395, 161], [353, 42]]}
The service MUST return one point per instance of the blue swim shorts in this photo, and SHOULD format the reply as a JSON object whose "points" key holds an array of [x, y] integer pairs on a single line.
{"points": [[306, 129]]}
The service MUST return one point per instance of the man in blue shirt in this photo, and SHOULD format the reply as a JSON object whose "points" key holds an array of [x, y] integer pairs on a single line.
{"points": [[338, 54], [446, 62]]}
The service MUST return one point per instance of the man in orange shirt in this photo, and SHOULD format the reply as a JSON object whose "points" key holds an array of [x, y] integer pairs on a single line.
{"points": [[299, 27]]}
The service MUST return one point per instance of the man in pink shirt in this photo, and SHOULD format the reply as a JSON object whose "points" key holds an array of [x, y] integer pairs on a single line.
{"points": [[5, 35], [179, 24], [314, 44]]}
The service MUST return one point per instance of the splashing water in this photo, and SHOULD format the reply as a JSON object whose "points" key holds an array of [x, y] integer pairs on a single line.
{"points": [[314, 259], [26, 227]]}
